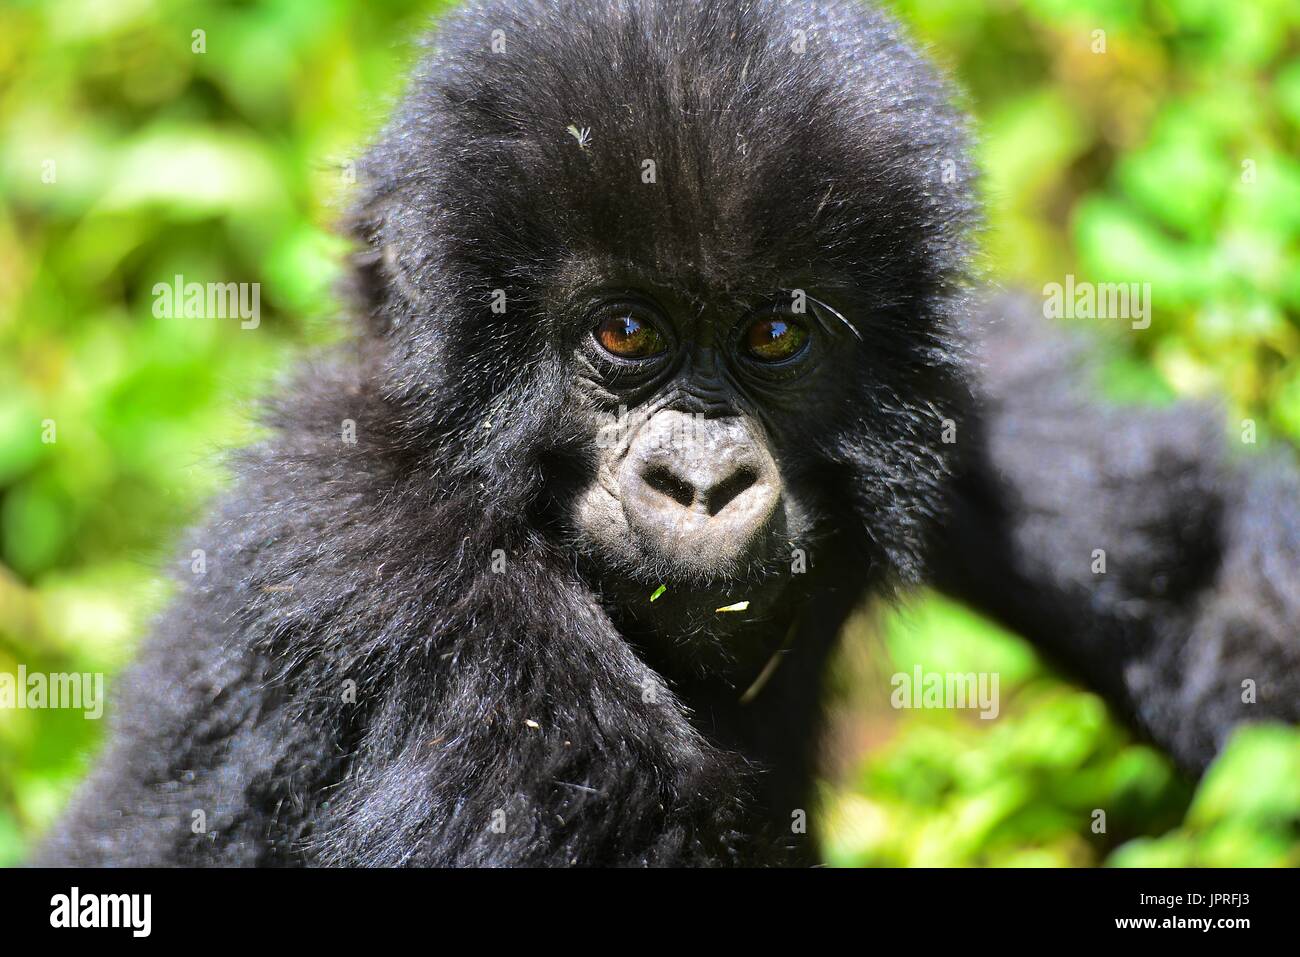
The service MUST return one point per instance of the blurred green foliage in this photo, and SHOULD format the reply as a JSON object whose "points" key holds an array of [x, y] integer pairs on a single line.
{"points": [[128, 158], [945, 788], [225, 165]]}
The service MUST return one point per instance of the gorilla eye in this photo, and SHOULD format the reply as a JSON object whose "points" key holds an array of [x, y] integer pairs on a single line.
{"points": [[629, 337], [775, 338]]}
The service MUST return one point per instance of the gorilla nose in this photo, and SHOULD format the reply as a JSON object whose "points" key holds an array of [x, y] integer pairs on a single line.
{"points": [[706, 489], [704, 492]]}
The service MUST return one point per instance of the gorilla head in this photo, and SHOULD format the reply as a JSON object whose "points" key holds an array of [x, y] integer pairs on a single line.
{"points": [[705, 331]]}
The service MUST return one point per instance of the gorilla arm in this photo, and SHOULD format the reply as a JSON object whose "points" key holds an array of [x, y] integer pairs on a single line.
{"points": [[1125, 543]]}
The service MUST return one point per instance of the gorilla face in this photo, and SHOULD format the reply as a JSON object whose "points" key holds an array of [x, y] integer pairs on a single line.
{"points": [[702, 424]]}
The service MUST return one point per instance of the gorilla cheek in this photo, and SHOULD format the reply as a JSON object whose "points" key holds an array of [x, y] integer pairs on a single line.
{"points": [[599, 521]]}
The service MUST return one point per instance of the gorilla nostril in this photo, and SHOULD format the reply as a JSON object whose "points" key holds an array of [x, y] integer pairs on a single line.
{"points": [[711, 497], [719, 496], [663, 480]]}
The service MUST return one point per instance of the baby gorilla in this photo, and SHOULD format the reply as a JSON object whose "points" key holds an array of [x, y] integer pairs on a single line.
{"points": [[664, 365]]}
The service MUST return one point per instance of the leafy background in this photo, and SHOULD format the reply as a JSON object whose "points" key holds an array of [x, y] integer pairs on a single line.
{"points": [[231, 165]]}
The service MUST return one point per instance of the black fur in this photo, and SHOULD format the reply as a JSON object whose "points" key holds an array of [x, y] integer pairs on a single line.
{"points": [[524, 716], [1202, 585]]}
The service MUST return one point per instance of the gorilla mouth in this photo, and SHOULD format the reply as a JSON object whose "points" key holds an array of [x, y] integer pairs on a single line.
{"points": [[693, 608]]}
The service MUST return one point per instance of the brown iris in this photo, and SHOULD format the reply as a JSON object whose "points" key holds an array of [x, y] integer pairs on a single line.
{"points": [[774, 338], [629, 337]]}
